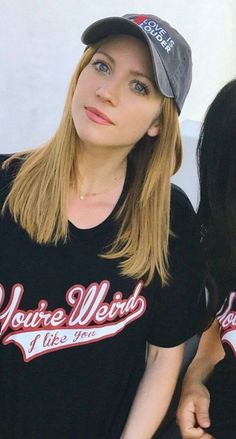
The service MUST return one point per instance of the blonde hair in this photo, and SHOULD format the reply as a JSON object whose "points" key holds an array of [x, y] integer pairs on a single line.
{"points": [[38, 197]]}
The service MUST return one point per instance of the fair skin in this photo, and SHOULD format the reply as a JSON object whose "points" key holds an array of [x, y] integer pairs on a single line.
{"points": [[154, 392], [193, 411], [119, 83], [114, 105]]}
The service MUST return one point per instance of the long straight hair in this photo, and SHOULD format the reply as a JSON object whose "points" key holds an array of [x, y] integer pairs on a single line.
{"points": [[39, 193], [216, 154]]}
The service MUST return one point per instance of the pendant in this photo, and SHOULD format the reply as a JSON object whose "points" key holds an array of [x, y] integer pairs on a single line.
{"points": [[81, 197]]}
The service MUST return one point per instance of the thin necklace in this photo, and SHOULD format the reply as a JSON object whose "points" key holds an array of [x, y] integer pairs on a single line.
{"points": [[83, 195]]}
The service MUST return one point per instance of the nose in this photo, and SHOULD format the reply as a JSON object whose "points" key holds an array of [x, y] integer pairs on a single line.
{"points": [[109, 92]]}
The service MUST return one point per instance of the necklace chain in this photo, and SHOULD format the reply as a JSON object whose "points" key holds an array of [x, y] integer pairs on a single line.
{"points": [[83, 195]]}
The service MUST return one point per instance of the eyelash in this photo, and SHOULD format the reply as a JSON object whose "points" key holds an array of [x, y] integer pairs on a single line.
{"points": [[96, 64], [145, 87]]}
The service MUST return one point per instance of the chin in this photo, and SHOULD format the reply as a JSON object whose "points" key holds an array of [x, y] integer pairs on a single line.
{"points": [[92, 141], [94, 136]]}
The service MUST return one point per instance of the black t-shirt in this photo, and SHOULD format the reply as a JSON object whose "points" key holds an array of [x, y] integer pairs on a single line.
{"points": [[222, 382], [74, 330]]}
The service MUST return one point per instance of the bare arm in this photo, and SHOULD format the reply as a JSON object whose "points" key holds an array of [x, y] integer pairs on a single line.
{"points": [[154, 392], [193, 411]]}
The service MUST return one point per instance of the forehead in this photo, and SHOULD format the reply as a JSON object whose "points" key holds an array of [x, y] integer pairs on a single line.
{"points": [[128, 47]]}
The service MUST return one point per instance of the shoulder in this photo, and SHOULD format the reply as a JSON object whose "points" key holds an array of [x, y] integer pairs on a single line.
{"points": [[4, 172], [179, 198], [12, 168], [184, 244], [7, 174], [182, 215], [3, 158]]}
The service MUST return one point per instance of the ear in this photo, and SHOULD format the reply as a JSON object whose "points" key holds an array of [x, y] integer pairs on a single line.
{"points": [[154, 129]]}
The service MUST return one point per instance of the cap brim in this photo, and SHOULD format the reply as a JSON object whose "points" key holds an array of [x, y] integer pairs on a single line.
{"points": [[118, 25]]}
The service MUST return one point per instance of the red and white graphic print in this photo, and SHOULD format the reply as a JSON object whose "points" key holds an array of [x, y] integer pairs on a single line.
{"points": [[156, 32], [40, 331], [227, 320]]}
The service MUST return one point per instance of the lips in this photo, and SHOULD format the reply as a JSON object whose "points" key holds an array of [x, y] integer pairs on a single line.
{"points": [[97, 116]]}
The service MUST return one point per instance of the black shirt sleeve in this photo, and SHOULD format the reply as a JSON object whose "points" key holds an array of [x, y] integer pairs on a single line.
{"points": [[7, 176], [179, 308], [5, 179]]}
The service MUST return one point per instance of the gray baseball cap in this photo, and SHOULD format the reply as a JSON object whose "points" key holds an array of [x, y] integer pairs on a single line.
{"points": [[170, 52]]}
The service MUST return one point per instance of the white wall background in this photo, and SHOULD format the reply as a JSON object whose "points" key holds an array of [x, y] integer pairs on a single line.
{"points": [[40, 46]]}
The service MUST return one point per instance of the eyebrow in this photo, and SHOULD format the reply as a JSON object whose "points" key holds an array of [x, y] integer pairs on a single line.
{"points": [[133, 72]]}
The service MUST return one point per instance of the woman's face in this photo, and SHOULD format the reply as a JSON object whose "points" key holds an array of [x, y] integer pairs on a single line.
{"points": [[115, 101]]}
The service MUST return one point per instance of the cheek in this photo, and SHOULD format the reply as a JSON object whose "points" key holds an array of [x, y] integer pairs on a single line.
{"points": [[140, 118], [78, 99], [151, 116], [73, 103], [76, 110], [80, 90]]}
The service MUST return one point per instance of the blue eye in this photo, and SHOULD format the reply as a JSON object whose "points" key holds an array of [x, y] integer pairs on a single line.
{"points": [[101, 66], [140, 87]]}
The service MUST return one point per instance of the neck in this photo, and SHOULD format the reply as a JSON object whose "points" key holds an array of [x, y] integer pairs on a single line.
{"points": [[100, 172]]}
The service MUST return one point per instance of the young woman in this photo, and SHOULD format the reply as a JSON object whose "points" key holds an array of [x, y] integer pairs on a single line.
{"points": [[99, 277], [207, 408]]}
